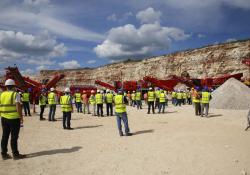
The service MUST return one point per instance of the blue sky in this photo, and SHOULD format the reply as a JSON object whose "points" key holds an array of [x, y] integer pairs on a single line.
{"points": [[63, 34]]}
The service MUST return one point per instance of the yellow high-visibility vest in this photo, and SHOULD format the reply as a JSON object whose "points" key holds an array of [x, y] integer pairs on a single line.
{"points": [[120, 107], [8, 107], [133, 96], [78, 97], [138, 96], [99, 99], [162, 97], [51, 98], [109, 98], [92, 99], [205, 97], [179, 95], [151, 96], [65, 103], [25, 97], [42, 100]]}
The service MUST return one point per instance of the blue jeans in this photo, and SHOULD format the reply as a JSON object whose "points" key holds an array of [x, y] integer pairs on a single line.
{"points": [[138, 104], [52, 111], [122, 117], [79, 106], [162, 106]]}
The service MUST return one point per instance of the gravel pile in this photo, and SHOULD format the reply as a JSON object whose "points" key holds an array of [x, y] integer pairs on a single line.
{"points": [[231, 95], [181, 87]]}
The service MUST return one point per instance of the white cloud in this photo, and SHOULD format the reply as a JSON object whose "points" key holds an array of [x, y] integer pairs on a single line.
{"points": [[91, 61], [201, 35], [149, 15], [128, 41], [73, 64], [17, 45], [36, 2], [31, 20], [112, 17], [42, 68], [230, 40]]}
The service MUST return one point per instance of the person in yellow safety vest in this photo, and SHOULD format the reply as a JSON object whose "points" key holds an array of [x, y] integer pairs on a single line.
{"points": [[179, 98], [109, 102], [52, 100], [184, 97], [189, 99], [151, 99], [138, 99], [205, 98], [26, 102], [42, 103], [174, 99], [121, 113], [67, 108], [92, 102], [78, 101], [133, 98], [162, 101], [12, 118], [196, 101], [99, 102], [157, 97]]}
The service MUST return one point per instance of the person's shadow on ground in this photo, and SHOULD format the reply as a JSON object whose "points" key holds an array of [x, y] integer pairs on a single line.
{"points": [[143, 132], [54, 151], [85, 127]]}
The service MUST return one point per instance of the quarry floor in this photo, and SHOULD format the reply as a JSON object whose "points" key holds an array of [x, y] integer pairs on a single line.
{"points": [[177, 143]]}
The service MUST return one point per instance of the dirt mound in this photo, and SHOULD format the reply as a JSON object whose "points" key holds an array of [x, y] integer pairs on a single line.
{"points": [[231, 95]]}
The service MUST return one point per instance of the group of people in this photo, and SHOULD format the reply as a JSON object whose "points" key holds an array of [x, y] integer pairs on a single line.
{"points": [[11, 104]]}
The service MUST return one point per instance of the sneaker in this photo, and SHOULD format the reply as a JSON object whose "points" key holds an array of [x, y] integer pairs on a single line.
{"points": [[6, 156], [121, 134], [128, 134], [42, 119], [69, 128], [19, 156]]}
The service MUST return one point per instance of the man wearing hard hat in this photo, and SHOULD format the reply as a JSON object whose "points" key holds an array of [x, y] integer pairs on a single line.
{"points": [[121, 113], [99, 101], [92, 102], [11, 118], [67, 108], [109, 102], [52, 100]]}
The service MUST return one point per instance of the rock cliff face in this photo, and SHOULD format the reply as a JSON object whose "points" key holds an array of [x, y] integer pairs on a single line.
{"points": [[208, 61]]}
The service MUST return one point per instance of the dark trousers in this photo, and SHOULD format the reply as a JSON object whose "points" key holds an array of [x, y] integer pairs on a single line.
{"points": [[151, 104], [42, 107], [138, 104], [162, 106], [109, 107], [189, 101], [26, 107], [197, 107], [122, 117], [79, 106], [100, 109], [10, 127], [178, 102], [157, 102], [52, 111], [66, 119]]}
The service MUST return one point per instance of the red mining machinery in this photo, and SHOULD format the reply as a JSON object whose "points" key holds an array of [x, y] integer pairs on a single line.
{"points": [[25, 83]]}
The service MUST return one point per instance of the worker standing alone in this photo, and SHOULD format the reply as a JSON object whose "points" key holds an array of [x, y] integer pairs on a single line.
{"points": [[109, 103], [42, 103], [26, 102], [52, 100], [121, 114], [78, 101], [151, 98], [11, 119], [67, 108], [205, 98]]}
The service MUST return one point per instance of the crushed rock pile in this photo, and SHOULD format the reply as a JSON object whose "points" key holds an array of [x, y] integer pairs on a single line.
{"points": [[231, 95], [181, 87]]}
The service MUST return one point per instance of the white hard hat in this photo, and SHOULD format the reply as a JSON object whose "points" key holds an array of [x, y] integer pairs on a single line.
{"points": [[150, 88], [98, 91], [52, 89], [107, 90], [66, 90], [9, 82]]}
